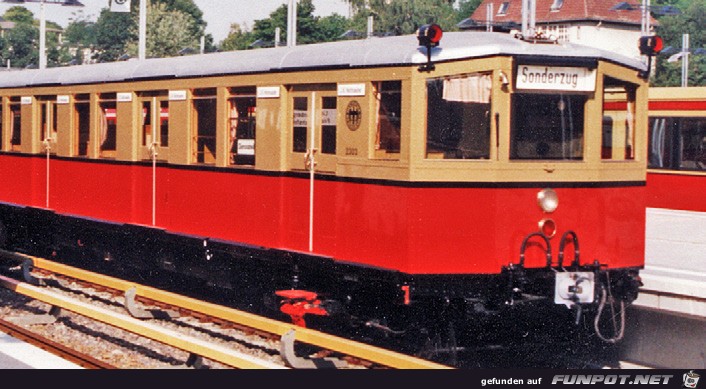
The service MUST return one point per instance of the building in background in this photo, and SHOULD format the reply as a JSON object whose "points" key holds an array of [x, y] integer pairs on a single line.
{"points": [[604, 24], [5, 25]]}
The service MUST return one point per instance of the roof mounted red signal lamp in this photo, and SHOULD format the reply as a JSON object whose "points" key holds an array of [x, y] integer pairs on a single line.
{"points": [[429, 35], [651, 45]]}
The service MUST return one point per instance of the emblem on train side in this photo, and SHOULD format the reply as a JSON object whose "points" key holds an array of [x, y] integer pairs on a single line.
{"points": [[353, 115], [690, 380]]}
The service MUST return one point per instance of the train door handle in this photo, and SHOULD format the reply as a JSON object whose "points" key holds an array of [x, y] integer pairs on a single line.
{"points": [[309, 159]]}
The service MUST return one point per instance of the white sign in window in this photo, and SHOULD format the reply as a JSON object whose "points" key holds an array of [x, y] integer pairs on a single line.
{"points": [[62, 99], [267, 92], [246, 147], [351, 89], [124, 97], [26, 100], [556, 78], [177, 95], [328, 117], [301, 118]]}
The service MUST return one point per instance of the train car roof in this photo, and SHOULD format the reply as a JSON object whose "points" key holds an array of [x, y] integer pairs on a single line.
{"points": [[388, 51]]}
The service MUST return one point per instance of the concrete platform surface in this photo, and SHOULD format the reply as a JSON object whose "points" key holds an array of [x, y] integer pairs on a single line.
{"points": [[17, 354]]}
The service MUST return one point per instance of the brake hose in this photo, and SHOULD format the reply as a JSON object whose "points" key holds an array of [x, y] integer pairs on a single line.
{"points": [[601, 305]]}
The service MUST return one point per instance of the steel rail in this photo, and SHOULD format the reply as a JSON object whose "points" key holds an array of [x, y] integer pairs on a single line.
{"points": [[175, 339], [84, 360], [355, 349]]}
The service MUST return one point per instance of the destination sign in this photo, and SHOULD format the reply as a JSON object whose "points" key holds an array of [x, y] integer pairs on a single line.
{"points": [[556, 78]]}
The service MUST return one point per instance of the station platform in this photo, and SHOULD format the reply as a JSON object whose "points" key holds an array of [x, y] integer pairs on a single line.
{"points": [[17, 354], [672, 291], [664, 339]]}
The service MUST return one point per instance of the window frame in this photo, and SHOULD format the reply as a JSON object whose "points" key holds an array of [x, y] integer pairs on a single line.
{"points": [[626, 122], [556, 5], [463, 133], [544, 147], [48, 123], [105, 101], [383, 144], [241, 128], [156, 99], [83, 100], [200, 95], [15, 115]]}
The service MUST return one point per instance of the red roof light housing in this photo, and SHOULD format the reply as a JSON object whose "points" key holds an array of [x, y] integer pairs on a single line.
{"points": [[429, 35], [651, 45]]}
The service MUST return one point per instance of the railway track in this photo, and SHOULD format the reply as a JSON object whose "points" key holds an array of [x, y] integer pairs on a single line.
{"points": [[82, 359], [280, 344]]}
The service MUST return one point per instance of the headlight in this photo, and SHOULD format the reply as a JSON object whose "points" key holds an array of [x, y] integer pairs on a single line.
{"points": [[548, 200], [547, 227]]}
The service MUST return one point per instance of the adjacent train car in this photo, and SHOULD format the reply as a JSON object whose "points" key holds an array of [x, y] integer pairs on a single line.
{"points": [[675, 248], [390, 183]]}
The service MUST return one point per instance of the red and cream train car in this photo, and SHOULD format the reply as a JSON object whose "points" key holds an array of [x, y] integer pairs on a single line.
{"points": [[354, 170], [675, 241]]}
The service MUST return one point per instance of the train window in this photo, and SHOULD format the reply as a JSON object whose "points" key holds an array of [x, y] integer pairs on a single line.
{"points": [[547, 126], [663, 138], [328, 125], [299, 124], [164, 122], [108, 124], [204, 126], [155, 119], [389, 105], [458, 117], [82, 126], [677, 143], [242, 109], [48, 108], [15, 123], [618, 134], [147, 123]]}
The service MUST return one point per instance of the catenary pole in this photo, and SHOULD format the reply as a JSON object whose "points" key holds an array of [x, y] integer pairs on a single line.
{"points": [[42, 37], [143, 30]]}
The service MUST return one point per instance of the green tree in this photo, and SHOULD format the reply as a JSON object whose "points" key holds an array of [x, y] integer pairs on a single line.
{"points": [[190, 8], [671, 28], [168, 32], [331, 27], [80, 32], [19, 14], [466, 9], [22, 45], [53, 47], [239, 38], [198, 28], [173, 23], [357, 5], [401, 17], [113, 30], [307, 24]]}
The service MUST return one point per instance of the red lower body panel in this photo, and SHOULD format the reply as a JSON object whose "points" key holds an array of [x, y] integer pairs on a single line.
{"points": [[418, 230], [676, 191]]}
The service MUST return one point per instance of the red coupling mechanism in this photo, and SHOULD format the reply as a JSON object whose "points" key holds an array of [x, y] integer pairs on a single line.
{"points": [[405, 291], [297, 303]]}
